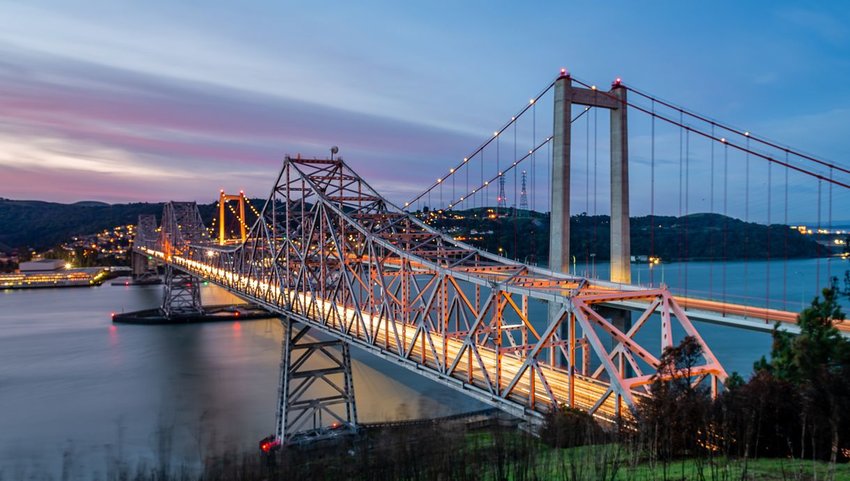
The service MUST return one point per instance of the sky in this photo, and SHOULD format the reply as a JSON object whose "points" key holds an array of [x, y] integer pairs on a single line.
{"points": [[122, 101]]}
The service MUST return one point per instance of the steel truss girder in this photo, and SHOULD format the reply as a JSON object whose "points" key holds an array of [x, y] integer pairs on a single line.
{"points": [[300, 407], [331, 252]]}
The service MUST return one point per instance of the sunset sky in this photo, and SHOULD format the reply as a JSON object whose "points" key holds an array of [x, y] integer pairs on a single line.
{"points": [[146, 101]]}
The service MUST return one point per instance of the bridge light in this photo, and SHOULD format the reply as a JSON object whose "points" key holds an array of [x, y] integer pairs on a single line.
{"points": [[451, 171], [495, 134], [531, 101], [465, 159], [723, 139], [747, 134], [439, 180], [593, 87]]}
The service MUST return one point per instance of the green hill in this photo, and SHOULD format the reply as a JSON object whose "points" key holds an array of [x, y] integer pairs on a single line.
{"points": [[692, 237], [40, 225]]}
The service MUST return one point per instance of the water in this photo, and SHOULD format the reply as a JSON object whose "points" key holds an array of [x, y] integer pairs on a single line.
{"points": [[71, 382]]}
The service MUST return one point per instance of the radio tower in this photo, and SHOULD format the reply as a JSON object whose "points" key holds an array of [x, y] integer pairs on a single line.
{"points": [[502, 200], [523, 197]]}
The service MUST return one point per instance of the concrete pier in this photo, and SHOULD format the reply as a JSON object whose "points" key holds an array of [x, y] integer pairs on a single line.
{"points": [[559, 233], [620, 242]]}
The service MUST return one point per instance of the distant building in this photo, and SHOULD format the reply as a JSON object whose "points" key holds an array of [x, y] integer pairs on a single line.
{"points": [[42, 265]]}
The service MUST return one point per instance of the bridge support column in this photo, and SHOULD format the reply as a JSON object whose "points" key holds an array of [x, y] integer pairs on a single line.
{"points": [[559, 233], [621, 269], [139, 263], [559, 218], [316, 389], [182, 294]]}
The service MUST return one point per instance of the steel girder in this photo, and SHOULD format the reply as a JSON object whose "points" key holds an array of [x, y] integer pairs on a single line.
{"points": [[331, 252]]}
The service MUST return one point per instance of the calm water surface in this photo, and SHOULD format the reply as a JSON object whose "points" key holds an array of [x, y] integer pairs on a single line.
{"points": [[71, 382]]}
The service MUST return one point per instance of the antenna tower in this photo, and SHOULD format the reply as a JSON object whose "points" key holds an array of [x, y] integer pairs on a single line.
{"points": [[523, 196]]}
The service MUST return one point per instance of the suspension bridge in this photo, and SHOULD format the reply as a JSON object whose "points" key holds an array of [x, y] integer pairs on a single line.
{"points": [[332, 255]]}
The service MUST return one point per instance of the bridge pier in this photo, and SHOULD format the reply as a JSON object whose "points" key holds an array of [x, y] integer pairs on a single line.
{"points": [[181, 294], [139, 264], [316, 391]]}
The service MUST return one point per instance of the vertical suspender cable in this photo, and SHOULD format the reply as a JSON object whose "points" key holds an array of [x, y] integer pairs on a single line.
{"points": [[687, 200], [587, 165], [652, 195], [787, 233], [725, 213], [711, 210], [829, 227], [747, 217], [533, 154], [595, 170], [767, 242], [817, 233], [681, 192]]}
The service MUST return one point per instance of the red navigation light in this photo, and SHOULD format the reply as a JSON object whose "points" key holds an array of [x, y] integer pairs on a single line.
{"points": [[617, 82], [268, 444], [236, 314], [113, 314]]}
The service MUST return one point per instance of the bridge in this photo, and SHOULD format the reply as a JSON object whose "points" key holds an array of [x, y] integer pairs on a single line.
{"points": [[330, 254]]}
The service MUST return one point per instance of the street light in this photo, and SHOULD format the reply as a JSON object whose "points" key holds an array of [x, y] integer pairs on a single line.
{"points": [[593, 265]]}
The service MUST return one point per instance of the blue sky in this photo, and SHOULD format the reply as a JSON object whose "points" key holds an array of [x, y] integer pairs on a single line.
{"points": [[127, 101]]}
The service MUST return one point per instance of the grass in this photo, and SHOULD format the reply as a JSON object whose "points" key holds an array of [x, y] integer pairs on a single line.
{"points": [[616, 462]]}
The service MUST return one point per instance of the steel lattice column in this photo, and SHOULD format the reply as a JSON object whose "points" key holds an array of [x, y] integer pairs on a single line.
{"points": [[315, 384], [182, 294]]}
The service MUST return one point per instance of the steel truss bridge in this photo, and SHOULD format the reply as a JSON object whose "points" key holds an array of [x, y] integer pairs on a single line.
{"points": [[330, 253]]}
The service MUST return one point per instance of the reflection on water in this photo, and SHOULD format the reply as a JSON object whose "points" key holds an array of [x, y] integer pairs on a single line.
{"points": [[70, 380]]}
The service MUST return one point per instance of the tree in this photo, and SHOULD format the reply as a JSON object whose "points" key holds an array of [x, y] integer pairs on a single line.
{"points": [[816, 363], [673, 421]]}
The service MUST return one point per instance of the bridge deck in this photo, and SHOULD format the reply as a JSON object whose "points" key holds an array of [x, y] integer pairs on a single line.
{"points": [[589, 394]]}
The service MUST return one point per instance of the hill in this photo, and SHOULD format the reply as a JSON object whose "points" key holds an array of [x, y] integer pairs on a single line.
{"points": [[40, 225], [692, 237]]}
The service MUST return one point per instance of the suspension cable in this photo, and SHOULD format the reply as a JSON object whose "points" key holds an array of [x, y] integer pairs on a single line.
{"points": [[725, 141], [736, 131], [531, 104]]}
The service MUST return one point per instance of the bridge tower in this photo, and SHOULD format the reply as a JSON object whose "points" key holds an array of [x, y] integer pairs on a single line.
{"points": [[223, 199], [559, 232], [559, 237], [316, 391]]}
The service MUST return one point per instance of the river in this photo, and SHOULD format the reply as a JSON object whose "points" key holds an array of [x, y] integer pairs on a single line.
{"points": [[75, 386]]}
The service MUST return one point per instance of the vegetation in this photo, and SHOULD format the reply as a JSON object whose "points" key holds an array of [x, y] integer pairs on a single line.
{"points": [[692, 237], [40, 225]]}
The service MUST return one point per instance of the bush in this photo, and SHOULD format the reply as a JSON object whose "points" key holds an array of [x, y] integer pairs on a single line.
{"points": [[566, 427]]}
